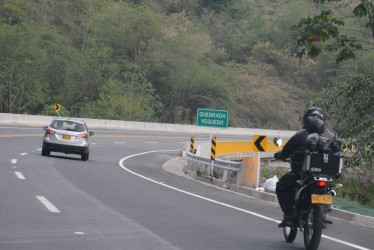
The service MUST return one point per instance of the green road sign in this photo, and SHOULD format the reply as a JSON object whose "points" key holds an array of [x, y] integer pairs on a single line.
{"points": [[212, 118]]}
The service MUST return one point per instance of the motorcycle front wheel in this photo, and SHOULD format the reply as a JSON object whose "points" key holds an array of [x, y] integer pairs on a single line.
{"points": [[290, 233], [313, 228]]}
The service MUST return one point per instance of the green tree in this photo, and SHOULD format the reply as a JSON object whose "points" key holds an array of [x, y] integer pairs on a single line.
{"points": [[216, 5], [12, 11], [82, 73], [351, 104], [177, 6], [302, 72], [116, 102], [72, 18], [128, 30], [21, 68], [186, 80], [329, 27]]}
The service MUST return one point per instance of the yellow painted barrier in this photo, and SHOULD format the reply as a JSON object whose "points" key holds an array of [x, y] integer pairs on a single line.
{"points": [[232, 147], [227, 147], [249, 169]]}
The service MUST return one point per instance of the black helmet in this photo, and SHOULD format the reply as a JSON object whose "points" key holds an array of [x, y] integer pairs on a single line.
{"points": [[314, 120]]}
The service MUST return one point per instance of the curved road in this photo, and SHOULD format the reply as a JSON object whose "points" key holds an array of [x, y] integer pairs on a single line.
{"points": [[122, 198]]}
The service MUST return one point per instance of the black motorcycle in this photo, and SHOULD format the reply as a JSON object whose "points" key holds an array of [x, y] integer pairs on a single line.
{"points": [[313, 197]]}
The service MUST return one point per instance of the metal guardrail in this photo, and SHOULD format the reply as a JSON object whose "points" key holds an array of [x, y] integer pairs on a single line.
{"points": [[227, 165], [223, 164]]}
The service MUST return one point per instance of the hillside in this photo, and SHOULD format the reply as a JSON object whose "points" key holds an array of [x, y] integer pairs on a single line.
{"points": [[145, 60]]}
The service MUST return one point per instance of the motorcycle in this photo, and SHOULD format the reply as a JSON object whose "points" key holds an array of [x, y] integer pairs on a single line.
{"points": [[313, 197]]}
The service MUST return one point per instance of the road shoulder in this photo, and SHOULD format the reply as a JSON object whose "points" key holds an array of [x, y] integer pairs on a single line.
{"points": [[178, 164]]}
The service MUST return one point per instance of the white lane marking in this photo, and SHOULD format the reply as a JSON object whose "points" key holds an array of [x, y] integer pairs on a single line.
{"points": [[344, 242], [151, 142], [23, 153], [13, 161], [121, 164], [47, 204], [39, 149], [120, 142], [79, 233], [20, 175]]}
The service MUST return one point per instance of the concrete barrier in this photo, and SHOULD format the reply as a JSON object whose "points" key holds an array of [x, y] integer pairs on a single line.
{"points": [[7, 119]]}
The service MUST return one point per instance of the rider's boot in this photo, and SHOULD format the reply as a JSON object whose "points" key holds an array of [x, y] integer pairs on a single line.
{"points": [[287, 221]]}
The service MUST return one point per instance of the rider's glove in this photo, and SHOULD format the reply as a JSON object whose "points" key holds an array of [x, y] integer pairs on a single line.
{"points": [[278, 155]]}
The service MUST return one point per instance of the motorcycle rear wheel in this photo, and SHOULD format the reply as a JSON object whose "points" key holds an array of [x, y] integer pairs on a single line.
{"points": [[290, 233], [313, 228]]}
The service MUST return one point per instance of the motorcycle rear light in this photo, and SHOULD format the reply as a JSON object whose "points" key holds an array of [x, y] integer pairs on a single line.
{"points": [[50, 132], [321, 183], [83, 135]]}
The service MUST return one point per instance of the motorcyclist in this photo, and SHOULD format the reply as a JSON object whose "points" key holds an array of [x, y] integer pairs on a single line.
{"points": [[294, 149]]}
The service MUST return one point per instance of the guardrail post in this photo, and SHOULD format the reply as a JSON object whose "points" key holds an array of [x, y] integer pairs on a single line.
{"points": [[238, 176], [258, 169], [208, 164], [224, 177]]}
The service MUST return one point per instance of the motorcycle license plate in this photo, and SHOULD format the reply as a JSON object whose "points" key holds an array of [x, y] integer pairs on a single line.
{"points": [[66, 137], [321, 199]]}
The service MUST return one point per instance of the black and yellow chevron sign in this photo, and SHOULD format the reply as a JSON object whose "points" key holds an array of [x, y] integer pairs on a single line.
{"points": [[57, 107], [192, 144], [213, 149], [259, 143]]}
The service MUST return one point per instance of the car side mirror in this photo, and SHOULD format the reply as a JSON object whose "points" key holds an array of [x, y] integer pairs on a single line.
{"points": [[45, 127], [278, 141], [92, 133]]}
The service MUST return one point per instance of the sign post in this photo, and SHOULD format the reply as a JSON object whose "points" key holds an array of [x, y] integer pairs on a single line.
{"points": [[212, 118]]}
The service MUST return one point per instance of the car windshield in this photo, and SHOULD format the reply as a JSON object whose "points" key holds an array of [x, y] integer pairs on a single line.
{"points": [[68, 125]]}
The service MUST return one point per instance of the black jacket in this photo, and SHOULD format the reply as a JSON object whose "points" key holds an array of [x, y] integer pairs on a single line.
{"points": [[295, 148]]}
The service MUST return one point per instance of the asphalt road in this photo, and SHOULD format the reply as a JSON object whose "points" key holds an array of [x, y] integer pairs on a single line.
{"points": [[122, 198]]}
